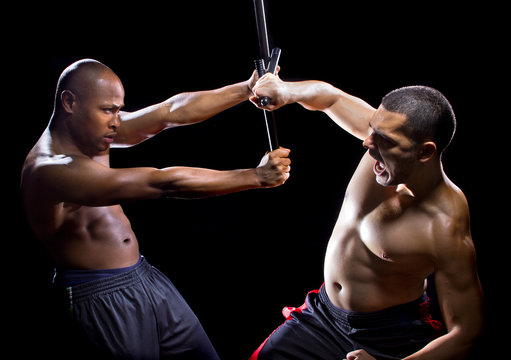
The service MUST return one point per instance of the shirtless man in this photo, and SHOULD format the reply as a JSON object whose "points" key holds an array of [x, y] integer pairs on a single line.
{"points": [[402, 220], [126, 307]]}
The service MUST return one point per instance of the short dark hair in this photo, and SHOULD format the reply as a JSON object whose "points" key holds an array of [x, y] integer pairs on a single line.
{"points": [[429, 114]]}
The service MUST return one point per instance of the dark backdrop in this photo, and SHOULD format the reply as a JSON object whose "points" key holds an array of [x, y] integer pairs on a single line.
{"points": [[240, 258]]}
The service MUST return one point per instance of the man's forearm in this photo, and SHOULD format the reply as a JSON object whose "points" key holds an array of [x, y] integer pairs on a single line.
{"points": [[181, 109], [200, 183], [452, 345], [351, 113], [312, 94], [192, 107]]}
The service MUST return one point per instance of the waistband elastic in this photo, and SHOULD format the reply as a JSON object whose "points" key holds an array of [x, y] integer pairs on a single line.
{"points": [[389, 316], [109, 284], [72, 277]]}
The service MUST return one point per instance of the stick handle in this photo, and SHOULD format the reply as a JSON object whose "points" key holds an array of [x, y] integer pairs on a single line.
{"points": [[274, 60], [259, 65]]}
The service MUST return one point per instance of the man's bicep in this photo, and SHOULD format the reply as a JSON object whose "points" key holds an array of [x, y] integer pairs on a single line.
{"points": [[85, 182], [74, 182], [140, 125], [363, 188], [459, 289], [352, 114]]}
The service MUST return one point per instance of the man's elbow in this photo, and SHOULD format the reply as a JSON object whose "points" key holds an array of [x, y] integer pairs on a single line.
{"points": [[467, 337]]}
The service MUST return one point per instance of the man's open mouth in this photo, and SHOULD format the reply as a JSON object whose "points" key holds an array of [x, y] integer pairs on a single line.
{"points": [[379, 168], [110, 138]]}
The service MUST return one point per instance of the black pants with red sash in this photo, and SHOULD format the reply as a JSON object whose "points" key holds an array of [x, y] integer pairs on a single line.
{"points": [[320, 330]]}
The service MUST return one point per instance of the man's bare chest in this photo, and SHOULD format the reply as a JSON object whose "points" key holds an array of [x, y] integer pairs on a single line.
{"points": [[395, 231]]}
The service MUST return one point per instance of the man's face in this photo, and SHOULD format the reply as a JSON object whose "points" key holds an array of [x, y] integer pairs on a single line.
{"points": [[97, 115], [393, 151]]}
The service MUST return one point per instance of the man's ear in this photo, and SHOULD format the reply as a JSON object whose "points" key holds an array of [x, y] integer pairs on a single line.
{"points": [[427, 151], [67, 99]]}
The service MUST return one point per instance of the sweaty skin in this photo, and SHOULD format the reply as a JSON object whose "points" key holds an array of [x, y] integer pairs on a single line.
{"points": [[71, 195], [401, 220]]}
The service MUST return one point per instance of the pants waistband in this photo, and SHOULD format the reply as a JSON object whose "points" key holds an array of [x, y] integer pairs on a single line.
{"points": [[72, 277], [411, 310], [80, 292]]}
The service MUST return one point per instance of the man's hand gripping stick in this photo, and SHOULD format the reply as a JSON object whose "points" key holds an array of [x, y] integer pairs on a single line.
{"points": [[272, 68]]}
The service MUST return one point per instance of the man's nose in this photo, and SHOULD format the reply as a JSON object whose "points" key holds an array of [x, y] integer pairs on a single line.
{"points": [[369, 142], [115, 122]]}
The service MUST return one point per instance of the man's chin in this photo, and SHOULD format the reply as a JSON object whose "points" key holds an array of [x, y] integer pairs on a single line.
{"points": [[383, 179]]}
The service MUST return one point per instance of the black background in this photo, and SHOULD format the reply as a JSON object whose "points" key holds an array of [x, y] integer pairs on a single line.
{"points": [[240, 258]]}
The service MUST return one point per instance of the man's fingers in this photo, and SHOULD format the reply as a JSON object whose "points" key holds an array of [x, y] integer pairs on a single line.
{"points": [[281, 152]]}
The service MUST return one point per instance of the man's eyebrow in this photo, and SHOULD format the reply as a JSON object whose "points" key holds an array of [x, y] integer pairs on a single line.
{"points": [[379, 133], [116, 106], [376, 130]]}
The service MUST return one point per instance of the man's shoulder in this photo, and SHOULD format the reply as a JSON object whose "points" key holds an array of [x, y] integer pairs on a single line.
{"points": [[40, 163], [452, 201], [451, 220], [43, 169]]}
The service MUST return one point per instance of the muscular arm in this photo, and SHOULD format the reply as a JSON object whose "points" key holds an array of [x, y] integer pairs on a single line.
{"points": [[85, 182], [349, 112], [460, 297], [182, 109]]}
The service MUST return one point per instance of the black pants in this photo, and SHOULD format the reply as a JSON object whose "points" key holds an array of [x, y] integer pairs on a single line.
{"points": [[138, 315], [320, 330]]}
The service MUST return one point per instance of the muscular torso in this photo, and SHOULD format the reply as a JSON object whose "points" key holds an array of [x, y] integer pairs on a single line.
{"points": [[76, 236], [93, 238], [381, 249]]}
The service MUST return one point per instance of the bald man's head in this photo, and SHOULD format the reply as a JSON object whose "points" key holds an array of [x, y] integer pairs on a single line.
{"points": [[81, 79], [87, 104]]}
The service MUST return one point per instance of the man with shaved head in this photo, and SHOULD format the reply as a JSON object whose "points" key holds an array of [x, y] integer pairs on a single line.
{"points": [[126, 308]]}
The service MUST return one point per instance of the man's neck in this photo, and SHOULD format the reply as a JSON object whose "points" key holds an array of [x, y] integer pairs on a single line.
{"points": [[59, 142], [424, 181]]}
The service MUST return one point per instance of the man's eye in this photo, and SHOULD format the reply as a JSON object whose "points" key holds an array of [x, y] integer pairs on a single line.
{"points": [[386, 141]]}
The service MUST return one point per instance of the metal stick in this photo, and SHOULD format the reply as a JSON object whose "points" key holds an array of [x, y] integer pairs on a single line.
{"points": [[264, 49]]}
